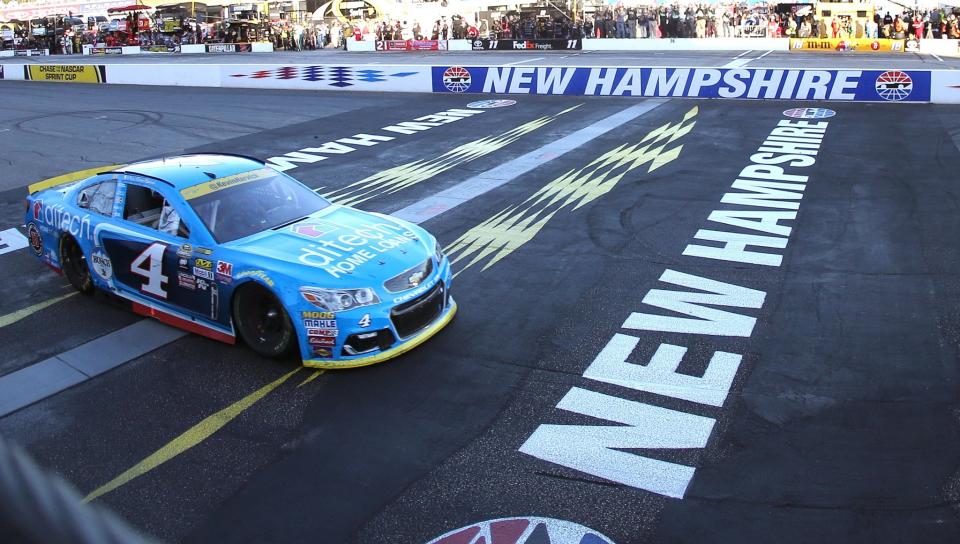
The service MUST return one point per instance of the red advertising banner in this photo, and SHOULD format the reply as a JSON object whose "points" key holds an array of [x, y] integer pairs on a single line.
{"points": [[412, 45]]}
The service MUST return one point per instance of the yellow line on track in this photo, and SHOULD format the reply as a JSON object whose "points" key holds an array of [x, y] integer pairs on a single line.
{"points": [[193, 436], [10, 319], [311, 377]]}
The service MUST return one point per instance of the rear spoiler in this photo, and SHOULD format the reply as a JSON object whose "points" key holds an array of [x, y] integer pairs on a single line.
{"points": [[69, 178]]}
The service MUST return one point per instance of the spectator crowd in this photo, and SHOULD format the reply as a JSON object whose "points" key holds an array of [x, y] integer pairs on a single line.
{"points": [[705, 20]]}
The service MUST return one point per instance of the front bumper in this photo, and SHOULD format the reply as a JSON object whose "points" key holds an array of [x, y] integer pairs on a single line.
{"points": [[403, 347]]}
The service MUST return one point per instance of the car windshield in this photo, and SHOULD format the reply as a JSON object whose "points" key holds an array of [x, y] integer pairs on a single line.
{"points": [[237, 206]]}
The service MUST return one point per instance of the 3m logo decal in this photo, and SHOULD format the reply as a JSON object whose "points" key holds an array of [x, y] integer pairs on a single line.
{"points": [[513, 227], [407, 175]]}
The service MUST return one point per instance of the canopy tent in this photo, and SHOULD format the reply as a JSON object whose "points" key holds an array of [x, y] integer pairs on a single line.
{"points": [[135, 7]]}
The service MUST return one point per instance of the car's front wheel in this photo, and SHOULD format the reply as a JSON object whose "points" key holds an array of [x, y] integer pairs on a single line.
{"points": [[74, 265], [262, 322]]}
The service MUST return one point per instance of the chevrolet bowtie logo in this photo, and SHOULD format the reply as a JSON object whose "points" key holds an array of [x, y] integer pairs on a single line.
{"points": [[407, 175], [513, 227]]}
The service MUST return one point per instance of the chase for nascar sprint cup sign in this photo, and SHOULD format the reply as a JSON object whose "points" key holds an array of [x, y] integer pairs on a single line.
{"points": [[856, 85]]}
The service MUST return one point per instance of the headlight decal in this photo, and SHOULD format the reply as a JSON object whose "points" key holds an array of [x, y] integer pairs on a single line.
{"points": [[339, 300]]}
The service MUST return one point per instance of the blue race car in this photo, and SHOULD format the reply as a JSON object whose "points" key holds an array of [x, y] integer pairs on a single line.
{"points": [[225, 246]]}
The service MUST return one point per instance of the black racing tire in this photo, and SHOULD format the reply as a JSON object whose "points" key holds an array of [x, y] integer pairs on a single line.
{"points": [[262, 322], [74, 265]]}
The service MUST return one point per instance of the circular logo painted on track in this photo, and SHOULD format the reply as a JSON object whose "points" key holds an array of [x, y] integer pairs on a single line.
{"points": [[488, 104], [523, 530], [894, 85], [809, 113], [456, 79], [36, 241]]}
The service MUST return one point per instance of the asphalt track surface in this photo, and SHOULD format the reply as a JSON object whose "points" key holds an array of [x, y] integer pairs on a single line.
{"points": [[749, 58], [842, 424]]}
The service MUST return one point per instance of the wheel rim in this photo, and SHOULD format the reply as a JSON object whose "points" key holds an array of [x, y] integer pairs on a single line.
{"points": [[75, 264], [265, 321]]}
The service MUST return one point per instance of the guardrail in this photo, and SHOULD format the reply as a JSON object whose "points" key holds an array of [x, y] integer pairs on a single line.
{"points": [[917, 86]]}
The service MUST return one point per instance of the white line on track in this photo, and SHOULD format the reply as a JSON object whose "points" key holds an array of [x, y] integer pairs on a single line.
{"points": [[51, 376], [765, 54], [522, 61], [736, 63], [48, 377], [936, 57], [464, 191]]}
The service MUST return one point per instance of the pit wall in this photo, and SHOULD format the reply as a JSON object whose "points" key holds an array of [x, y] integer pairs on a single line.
{"points": [[943, 48], [916, 86]]}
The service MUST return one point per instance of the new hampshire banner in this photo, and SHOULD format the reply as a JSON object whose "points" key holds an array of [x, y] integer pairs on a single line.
{"points": [[748, 83]]}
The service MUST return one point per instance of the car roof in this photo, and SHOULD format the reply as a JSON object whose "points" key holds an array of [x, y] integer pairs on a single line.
{"points": [[182, 171]]}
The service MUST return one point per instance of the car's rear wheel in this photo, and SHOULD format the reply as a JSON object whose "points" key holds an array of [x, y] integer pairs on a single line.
{"points": [[74, 265], [262, 322]]}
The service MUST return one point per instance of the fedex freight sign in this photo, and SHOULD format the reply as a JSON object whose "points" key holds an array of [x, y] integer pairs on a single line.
{"points": [[758, 83]]}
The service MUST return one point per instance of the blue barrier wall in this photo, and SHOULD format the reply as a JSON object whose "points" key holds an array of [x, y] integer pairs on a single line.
{"points": [[749, 83]]}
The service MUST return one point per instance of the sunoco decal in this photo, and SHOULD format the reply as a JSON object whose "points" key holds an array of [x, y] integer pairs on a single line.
{"points": [[753, 83]]}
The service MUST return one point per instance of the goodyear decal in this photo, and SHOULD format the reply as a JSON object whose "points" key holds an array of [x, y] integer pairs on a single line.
{"points": [[206, 188], [752, 83], [409, 174], [513, 227]]}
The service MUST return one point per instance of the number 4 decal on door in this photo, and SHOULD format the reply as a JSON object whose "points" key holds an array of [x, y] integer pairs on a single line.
{"points": [[149, 265]]}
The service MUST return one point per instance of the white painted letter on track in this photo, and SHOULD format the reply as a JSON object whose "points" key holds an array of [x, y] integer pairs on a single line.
{"points": [[12, 240], [365, 139], [286, 162], [660, 375], [702, 320], [753, 220], [765, 194], [594, 449], [735, 246]]}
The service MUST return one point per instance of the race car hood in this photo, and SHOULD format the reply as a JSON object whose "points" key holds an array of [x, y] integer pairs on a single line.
{"points": [[345, 247]]}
